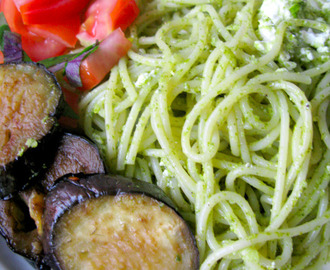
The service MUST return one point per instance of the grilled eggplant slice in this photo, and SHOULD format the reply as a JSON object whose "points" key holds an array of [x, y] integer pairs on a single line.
{"points": [[29, 100], [98, 221], [19, 230], [21, 216], [75, 154]]}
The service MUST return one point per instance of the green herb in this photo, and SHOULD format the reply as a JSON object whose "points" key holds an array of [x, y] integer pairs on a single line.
{"points": [[20, 152], [31, 143], [3, 27], [297, 7], [294, 10], [49, 62], [26, 58], [3, 20]]}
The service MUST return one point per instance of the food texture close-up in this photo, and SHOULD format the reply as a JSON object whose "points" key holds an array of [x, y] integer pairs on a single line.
{"points": [[165, 134]]}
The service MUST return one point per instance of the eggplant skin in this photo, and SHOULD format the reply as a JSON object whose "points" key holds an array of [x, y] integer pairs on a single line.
{"points": [[18, 229], [78, 191], [31, 101], [75, 154], [21, 215]]}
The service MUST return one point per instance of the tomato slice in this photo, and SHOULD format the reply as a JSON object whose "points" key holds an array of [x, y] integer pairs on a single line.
{"points": [[13, 17], [64, 32], [1, 58], [98, 23], [44, 40], [124, 13], [45, 12], [38, 48], [103, 16], [98, 64]]}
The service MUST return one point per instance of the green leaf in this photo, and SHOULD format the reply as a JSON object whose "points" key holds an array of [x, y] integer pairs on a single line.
{"points": [[3, 20], [294, 10], [26, 58], [49, 62], [3, 27], [296, 7]]}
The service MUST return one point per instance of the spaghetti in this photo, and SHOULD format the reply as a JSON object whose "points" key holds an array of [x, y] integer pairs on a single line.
{"points": [[238, 141]]}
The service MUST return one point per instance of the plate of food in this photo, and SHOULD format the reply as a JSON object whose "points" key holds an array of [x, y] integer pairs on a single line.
{"points": [[177, 134]]}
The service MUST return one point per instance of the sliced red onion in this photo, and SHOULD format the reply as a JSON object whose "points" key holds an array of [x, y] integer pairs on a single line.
{"points": [[72, 71], [12, 47], [57, 67]]}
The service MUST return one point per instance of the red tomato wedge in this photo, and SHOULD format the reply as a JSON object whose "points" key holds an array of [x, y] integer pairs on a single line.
{"points": [[97, 24], [98, 64], [1, 58], [44, 40], [48, 28], [45, 12], [103, 16], [13, 17], [124, 13], [41, 48], [59, 32]]}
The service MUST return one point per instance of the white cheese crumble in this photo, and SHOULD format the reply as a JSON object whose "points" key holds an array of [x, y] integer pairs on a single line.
{"points": [[315, 39], [302, 44], [272, 12]]}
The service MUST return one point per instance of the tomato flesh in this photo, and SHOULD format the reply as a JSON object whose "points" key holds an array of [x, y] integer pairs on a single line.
{"points": [[98, 64], [38, 48], [103, 16], [48, 28], [41, 11], [60, 32], [41, 41], [1, 58], [13, 17], [124, 14], [97, 24]]}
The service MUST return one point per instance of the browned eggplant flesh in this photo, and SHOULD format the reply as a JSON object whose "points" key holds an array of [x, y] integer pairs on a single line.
{"points": [[29, 100], [111, 222]]}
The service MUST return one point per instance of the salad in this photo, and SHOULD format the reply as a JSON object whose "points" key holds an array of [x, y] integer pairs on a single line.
{"points": [[47, 30]]}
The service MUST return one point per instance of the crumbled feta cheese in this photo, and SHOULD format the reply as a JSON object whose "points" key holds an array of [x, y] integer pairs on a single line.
{"points": [[307, 45], [272, 12], [141, 79], [315, 39], [144, 78], [306, 55], [275, 10], [323, 49]]}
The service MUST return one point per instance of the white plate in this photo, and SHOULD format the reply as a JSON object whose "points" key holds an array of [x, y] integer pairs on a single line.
{"points": [[11, 261]]}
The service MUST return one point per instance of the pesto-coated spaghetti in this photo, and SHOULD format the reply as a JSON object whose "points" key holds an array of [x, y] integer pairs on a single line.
{"points": [[231, 123]]}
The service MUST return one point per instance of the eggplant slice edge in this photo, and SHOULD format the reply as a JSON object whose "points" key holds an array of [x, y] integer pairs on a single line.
{"points": [[78, 207]]}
